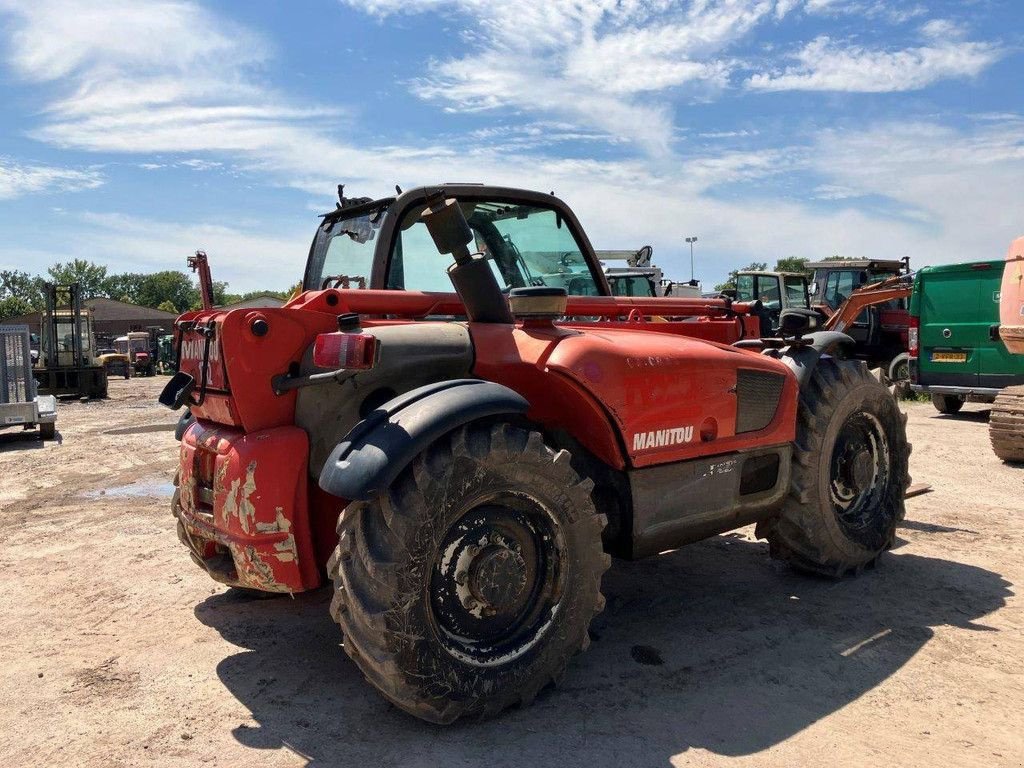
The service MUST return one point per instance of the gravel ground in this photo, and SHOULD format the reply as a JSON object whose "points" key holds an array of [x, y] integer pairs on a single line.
{"points": [[117, 651]]}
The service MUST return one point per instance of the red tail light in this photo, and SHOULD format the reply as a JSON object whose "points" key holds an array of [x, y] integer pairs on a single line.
{"points": [[914, 336], [345, 350]]}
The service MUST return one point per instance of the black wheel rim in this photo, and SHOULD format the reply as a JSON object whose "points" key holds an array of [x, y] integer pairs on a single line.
{"points": [[497, 580], [859, 477]]}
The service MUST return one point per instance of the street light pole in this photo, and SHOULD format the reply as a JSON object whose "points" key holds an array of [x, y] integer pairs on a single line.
{"points": [[691, 241]]}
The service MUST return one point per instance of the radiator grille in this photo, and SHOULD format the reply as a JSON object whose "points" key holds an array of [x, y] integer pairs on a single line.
{"points": [[757, 399]]}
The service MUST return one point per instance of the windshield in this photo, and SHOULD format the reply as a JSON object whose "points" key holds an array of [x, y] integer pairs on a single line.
{"points": [[347, 260], [527, 245], [796, 293]]}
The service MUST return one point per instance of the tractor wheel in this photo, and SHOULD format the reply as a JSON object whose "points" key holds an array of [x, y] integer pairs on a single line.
{"points": [[47, 430], [465, 587], [947, 403], [1006, 425], [849, 474]]}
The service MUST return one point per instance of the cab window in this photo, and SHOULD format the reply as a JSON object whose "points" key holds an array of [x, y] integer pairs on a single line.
{"points": [[838, 288], [527, 245]]}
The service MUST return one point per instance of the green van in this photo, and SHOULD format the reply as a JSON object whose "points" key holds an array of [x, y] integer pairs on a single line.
{"points": [[955, 351]]}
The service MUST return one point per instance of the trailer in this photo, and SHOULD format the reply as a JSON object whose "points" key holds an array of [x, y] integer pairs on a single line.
{"points": [[20, 405]]}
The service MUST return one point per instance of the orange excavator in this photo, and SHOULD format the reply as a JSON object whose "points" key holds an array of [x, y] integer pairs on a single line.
{"points": [[881, 335], [1006, 422]]}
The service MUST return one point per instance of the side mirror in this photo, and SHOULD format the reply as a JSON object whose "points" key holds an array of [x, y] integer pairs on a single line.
{"points": [[797, 322]]}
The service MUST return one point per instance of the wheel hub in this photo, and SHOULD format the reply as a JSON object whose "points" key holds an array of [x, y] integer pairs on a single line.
{"points": [[862, 468], [497, 577], [860, 471]]}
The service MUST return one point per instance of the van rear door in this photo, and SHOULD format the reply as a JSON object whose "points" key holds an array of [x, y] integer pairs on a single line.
{"points": [[952, 331]]}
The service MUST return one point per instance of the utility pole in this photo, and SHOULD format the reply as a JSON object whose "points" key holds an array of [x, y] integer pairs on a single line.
{"points": [[691, 241]]}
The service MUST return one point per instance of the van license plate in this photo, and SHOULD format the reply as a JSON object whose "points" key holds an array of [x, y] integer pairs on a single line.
{"points": [[949, 357]]}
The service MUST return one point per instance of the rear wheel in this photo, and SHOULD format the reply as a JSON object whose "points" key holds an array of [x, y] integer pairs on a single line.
{"points": [[947, 403], [465, 587], [898, 376], [849, 473], [1006, 424]]}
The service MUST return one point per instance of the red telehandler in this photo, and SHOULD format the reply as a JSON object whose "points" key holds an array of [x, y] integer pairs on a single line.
{"points": [[459, 467]]}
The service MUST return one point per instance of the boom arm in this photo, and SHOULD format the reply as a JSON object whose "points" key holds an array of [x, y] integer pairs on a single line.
{"points": [[899, 287], [200, 264]]}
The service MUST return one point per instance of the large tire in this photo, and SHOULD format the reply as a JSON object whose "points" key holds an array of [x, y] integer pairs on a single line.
{"points": [[487, 516], [849, 474], [1006, 425], [947, 403]]}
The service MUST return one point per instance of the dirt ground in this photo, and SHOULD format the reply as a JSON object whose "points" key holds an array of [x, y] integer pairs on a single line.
{"points": [[116, 650]]}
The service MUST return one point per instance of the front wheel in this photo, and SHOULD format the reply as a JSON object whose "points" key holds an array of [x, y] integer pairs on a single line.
{"points": [[849, 473], [947, 403], [466, 586]]}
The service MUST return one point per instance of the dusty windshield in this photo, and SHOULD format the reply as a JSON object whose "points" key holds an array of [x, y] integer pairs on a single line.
{"points": [[343, 253], [528, 245]]}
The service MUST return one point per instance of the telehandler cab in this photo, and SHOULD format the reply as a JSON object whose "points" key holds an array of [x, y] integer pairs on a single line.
{"points": [[461, 466]]}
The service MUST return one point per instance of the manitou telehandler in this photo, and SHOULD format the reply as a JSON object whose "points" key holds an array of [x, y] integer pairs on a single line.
{"points": [[460, 466], [1006, 421]]}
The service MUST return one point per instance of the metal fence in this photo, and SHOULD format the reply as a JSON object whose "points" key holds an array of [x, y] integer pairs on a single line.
{"points": [[16, 382]]}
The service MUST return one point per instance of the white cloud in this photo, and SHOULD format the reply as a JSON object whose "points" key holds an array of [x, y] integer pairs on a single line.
{"points": [[148, 76], [17, 179], [601, 64], [894, 13], [824, 65]]}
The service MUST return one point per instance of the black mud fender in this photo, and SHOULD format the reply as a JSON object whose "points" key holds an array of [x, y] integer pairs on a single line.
{"points": [[372, 454], [184, 422], [803, 358]]}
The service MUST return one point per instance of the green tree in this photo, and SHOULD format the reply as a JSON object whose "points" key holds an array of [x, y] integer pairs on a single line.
{"points": [[167, 306], [91, 277], [20, 292], [124, 286], [11, 306], [730, 284], [171, 286], [793, 264]]}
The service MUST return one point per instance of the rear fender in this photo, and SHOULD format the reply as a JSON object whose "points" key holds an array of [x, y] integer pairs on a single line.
{"points": [[379, 447], [803, 359]]}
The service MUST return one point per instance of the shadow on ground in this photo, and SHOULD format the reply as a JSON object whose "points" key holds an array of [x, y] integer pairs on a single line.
{"points": [[750, 654], [981, 417], [22, 440]]}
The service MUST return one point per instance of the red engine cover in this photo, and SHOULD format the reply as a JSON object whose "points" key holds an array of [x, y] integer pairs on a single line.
{"points": [[633, 398]]}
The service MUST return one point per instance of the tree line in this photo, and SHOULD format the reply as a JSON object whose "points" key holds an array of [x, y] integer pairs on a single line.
{"points": [[170, 290]]}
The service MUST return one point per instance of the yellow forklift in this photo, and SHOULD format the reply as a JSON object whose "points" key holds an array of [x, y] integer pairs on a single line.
{"points": [[67, 365]]}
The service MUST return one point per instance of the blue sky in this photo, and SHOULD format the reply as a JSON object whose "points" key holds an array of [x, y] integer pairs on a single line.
{"points": [[133, 133]]}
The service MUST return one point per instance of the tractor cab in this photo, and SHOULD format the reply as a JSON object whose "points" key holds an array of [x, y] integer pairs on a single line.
{"points": [[777, 291], [834, 280]]}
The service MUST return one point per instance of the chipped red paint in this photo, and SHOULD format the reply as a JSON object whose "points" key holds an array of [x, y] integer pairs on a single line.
{"points": [[258, 517]]}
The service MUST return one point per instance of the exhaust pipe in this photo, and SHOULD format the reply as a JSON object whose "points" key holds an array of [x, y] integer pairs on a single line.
{"points": [[471, 275]]}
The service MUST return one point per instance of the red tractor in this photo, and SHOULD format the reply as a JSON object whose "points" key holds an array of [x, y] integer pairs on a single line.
{"points": [[460, 466]]}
